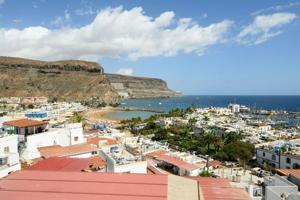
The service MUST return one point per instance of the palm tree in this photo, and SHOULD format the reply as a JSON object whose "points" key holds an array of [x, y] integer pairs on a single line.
{"points": [[78, 118], [218, 143], [207, 139]]}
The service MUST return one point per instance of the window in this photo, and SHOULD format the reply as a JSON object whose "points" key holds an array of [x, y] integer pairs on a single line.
{"points": [[288, 160], [3, 161], [273, 165], [296, 166], [273, 157], [76, 139], [6, 149], [264, 154]]}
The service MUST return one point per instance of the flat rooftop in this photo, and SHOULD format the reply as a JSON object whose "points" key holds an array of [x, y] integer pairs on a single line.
{"points": [[67, 164], [22, 123], [37, 185], [59, 151], [53, 185]]}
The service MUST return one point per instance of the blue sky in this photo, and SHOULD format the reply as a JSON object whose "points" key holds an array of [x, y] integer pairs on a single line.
{"points": [[199, 47]]}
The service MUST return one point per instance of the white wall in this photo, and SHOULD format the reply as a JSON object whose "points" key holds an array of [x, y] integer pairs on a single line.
{"points": [[11, 141], [283, 158], [294, 160], [13, 164], [267, 158], [82, 155], [76, 130], [195, 172], [5, 171], [61, 136], [135, 167]]}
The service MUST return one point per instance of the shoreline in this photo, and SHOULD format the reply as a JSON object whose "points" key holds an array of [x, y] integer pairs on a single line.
{"points": [[99, 115], [104, 115]]}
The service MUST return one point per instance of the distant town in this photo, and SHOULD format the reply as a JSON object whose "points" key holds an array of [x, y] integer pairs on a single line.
{"points": [[253, 153]]}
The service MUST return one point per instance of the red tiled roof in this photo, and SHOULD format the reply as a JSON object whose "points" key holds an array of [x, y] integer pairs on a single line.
{"points": [[210, 182], [96, 140], [46, 185], [161, 155], [219, 189], [91, 131], [177, 162], [223, 193], [96, 161], [214, 163], [133, 150], [59, 151], [153, 170], [156, 153], [22, 123], [286, 172], [67, 164]]}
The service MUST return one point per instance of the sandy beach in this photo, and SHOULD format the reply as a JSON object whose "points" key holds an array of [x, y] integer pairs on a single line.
{"points": [[100, 115]]}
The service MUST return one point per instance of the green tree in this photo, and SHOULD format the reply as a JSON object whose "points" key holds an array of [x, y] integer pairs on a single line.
{"points": [[206, 118], [233, 137], [240, 151], [30, 106], [78, 118], [208, 139], [192, 122]]}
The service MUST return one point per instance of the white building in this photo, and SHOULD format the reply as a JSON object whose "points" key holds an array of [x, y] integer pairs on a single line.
{"points": [[9, 156], [235, 108], [279, 188], [71, 134], [121, 161], [264, 128], [277, 160]]}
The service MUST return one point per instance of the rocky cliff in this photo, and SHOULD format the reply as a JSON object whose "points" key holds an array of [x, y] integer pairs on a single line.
{"points": [[140, 87], [64, 80], [73, 80]]}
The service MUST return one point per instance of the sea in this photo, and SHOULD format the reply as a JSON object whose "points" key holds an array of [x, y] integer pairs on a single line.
{"points": [[278, 103]]}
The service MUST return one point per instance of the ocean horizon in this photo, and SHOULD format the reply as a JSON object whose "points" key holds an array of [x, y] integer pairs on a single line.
{"points": [[289, 103]]}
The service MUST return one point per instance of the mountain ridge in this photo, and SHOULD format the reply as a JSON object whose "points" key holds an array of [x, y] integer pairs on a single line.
{"points": [[71, 80]]}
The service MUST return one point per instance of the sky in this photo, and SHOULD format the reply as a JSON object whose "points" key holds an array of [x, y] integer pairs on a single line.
{"points": [[200, 47]]}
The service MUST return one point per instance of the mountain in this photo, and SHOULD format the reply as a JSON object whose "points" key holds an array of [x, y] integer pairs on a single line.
{"points": [[139, 87], [73, 80]]}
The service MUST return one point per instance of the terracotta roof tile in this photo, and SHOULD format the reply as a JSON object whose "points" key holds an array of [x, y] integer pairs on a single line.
{"points": [[59, 151], [102, 140], [97, 162], [22, 123], [156, 153], [48, 185], [177, 162], [286, 172]]}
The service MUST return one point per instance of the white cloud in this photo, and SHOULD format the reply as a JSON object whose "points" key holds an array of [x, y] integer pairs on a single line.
{"points": [[125, 71], [61, 21], [114, 32], [264, 27], [1, 2], [18, 20], [204, 16], [85, 9], [34, 5], [277, 8]]}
